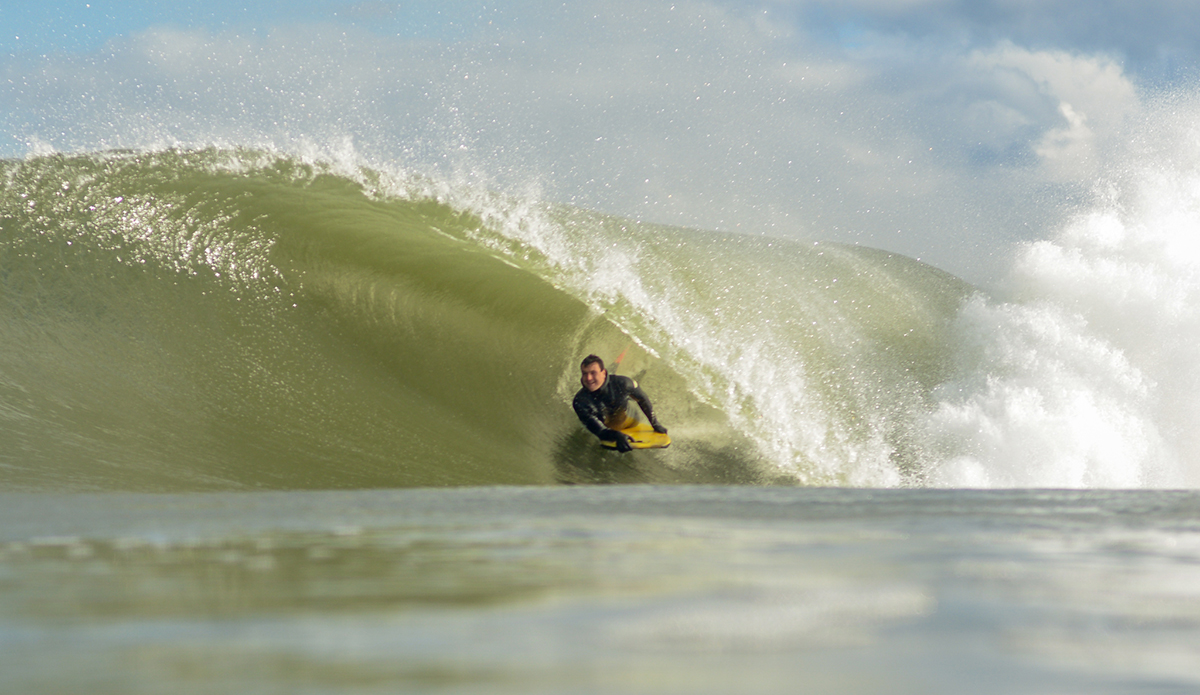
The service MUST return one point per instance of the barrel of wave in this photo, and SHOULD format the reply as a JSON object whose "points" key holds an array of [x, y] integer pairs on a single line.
{"points": [[822, 355], [200, 320]]}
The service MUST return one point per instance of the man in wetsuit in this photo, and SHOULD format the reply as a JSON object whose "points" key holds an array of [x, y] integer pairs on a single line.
{"points": [[602, 402]]}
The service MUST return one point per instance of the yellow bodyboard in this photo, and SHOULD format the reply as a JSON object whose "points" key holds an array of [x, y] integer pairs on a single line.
{"points": [[641, 436]]}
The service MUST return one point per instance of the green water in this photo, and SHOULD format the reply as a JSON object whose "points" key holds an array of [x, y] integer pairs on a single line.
{"points": [[208, 320]]}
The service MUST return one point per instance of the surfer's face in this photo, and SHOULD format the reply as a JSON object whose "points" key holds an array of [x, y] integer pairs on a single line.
{"points": [[593, 377]]}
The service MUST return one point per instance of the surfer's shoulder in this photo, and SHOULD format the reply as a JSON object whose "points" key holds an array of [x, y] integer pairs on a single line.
{"points": [[583, 399], [626, 382]]}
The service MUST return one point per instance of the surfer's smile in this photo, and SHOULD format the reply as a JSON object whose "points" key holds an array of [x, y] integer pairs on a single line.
{"points": [[593, 377]]}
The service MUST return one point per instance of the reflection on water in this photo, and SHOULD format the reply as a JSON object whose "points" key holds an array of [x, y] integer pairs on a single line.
{"points": [[610, 589]]}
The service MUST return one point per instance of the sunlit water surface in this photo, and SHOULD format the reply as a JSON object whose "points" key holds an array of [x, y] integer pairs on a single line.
{"points": [[621, 589]]}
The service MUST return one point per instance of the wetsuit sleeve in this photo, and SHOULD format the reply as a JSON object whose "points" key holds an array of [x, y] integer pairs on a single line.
{"points": [[643, 401], [589, 416]]}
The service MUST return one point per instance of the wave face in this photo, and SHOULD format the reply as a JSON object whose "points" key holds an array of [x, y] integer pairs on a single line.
{"points": [[226, 319]]}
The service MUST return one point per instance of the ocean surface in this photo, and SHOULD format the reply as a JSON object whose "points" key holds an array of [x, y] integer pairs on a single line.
{"points": [[275, 423], [601, 589]]}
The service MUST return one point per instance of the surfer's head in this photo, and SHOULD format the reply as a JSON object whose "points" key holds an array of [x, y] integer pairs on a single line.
{"points": [[593, 371]]}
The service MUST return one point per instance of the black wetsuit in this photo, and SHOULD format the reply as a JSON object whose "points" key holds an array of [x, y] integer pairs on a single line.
{"points": [[604, 408]]}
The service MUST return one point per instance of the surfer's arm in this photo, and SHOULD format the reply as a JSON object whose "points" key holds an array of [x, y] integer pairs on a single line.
{"points": [[591, 420], [639, 396]]}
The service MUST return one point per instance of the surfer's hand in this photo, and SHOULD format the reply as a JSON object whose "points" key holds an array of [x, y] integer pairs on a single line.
{"points": [[659, 428], [621, 441]]}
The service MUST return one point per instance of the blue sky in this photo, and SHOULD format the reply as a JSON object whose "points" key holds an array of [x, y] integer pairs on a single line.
{"points": [[84, 26], [1156, 39], [942, 129]]}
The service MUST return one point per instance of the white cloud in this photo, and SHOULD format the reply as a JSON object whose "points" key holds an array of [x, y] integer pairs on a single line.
{"points": [[1094, 98]]}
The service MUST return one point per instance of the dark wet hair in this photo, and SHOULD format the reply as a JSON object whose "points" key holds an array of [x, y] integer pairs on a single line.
{"points": [[592, 359]]}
